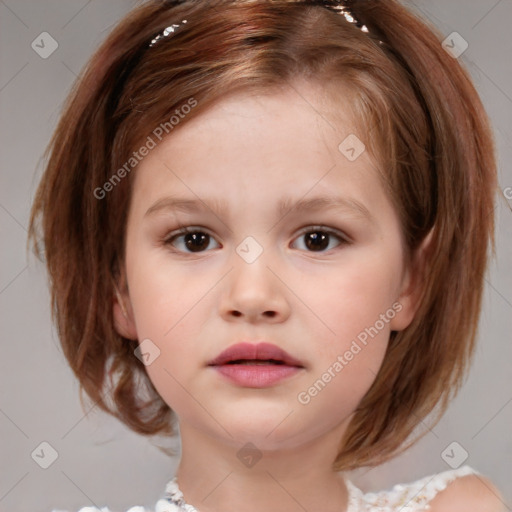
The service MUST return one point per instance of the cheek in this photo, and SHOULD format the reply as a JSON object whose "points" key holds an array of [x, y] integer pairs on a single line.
{"points": [[169, 306], [159, 293], [355, 306], [342, 376], [354, 297]]}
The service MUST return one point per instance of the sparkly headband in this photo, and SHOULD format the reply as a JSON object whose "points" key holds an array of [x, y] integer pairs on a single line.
{"points": [[338, 6]]}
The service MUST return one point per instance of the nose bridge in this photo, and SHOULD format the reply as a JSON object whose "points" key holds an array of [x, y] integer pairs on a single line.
{"points": [[251, 261], [253, 289]]}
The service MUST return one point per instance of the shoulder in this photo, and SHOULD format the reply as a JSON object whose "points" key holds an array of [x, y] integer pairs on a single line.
{"points": [[469, 493]]}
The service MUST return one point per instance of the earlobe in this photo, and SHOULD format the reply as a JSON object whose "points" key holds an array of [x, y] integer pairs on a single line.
{"points": [[412, 286], [123, 315]]}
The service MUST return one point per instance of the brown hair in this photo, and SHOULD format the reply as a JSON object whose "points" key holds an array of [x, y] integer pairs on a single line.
{"points": [[428, 130]]}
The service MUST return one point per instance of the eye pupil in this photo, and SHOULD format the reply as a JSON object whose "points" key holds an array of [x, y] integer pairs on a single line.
{"points": [[317, 240], [191, 240]]}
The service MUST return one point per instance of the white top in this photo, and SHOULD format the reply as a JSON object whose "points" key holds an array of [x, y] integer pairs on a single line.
{"points": [[410, 497]]}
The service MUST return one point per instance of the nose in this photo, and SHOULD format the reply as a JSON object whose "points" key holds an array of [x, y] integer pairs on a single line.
{"points": [[255, 292]]}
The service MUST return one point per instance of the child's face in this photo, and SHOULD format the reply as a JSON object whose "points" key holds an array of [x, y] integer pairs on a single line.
{"points": [[314, 300]]}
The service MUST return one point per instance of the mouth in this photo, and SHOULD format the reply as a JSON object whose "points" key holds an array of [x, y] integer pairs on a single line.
{"points": [[255, 366]]}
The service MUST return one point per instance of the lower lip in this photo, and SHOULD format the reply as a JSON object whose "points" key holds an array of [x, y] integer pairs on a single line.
{"points": [[256, 375]]}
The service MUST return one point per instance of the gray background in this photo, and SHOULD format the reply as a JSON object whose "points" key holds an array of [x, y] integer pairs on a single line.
{"points": [[99, 461]]}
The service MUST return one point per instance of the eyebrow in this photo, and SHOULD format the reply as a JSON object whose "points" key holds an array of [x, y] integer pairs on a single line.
{"points": [[284, 207]]}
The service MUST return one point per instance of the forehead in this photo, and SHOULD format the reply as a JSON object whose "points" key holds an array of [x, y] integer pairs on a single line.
{"points": [[252, 147], [301, 107]]}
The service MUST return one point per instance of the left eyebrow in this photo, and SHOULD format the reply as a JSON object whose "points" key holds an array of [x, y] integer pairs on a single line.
{"points": [[338, 203], [285, 206]]}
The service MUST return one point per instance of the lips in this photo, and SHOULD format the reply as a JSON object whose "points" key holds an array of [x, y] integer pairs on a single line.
{"points": [[262, 353], [256, 366]]}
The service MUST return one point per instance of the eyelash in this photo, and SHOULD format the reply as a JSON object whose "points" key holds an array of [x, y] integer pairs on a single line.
{"points": [[344, 240]]}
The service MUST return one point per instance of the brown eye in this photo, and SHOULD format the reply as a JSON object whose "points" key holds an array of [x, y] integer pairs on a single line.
{"points": [[320, 239], [192, 241]]}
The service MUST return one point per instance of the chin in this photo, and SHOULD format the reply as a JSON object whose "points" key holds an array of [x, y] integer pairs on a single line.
{"points": [[266, 430]]}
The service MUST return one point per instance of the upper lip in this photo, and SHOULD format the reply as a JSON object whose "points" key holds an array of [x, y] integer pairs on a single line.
{"points": [[260, 351]]}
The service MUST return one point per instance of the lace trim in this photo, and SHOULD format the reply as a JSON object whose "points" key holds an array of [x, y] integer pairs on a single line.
{"points": [[411, 497]]}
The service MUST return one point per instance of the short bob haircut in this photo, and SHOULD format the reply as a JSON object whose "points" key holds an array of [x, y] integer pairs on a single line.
{"points": [[418, 114]]}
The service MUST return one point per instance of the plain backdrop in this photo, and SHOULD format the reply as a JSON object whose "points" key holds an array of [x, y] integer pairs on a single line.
{"points": [[101, 462]]}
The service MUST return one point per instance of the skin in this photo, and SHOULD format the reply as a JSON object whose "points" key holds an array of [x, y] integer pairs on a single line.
{"points": [[251, 151]]}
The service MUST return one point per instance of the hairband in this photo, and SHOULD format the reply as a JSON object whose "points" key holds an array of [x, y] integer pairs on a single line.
{"points": [[341, 7], [167, 31], [338, 6]]}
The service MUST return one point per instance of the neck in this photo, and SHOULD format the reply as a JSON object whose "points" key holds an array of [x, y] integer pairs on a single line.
{"points": [[217, 477]]}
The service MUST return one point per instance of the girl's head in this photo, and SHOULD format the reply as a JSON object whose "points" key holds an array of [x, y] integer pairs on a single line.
{"points": [[222, 127]]}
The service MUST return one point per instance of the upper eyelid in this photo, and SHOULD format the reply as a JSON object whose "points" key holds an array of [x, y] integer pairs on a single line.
{"points": [[326, 229]]}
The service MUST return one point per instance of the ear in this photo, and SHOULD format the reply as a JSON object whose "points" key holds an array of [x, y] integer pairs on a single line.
{"points": [[412, 285], [123, 318]]}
